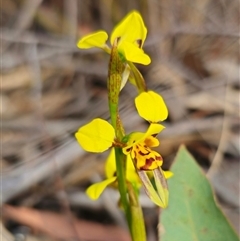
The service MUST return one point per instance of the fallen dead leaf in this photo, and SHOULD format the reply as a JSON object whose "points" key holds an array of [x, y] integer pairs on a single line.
{"points": [[59, 226]]}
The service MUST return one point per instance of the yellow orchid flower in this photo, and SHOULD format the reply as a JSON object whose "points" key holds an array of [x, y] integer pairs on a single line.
{"points": [[139, 147], [95, 190], [146, 160], [98, 136], [130, 34]]}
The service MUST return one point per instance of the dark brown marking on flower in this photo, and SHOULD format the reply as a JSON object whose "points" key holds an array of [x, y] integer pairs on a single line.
{"points": [[118, 39], [154, 135], [129, 149], [139, 43], [135, 162], [148, 164], [158, 158], [143, 154]]}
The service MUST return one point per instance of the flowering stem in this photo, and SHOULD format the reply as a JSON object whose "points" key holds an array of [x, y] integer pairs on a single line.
{"points": [[122, 184], [128, 197], [114, 83], [138, 227]]}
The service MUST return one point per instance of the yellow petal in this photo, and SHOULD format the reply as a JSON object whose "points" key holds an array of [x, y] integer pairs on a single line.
{"points": [[133, 53], [133, 139], [138, 137], [151, 106], [131, 29], [110, 165], [96, 39], [96, 136], [144, 158], [129, 166], [151, 141], [168, 174], [131, 174], [95, 190], [153, 130]]}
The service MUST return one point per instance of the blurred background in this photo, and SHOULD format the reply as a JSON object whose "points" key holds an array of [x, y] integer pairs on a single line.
{"points": [[49, 88]]}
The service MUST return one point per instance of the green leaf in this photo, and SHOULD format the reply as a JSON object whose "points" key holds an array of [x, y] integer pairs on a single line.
{"points": [[192, 214]]}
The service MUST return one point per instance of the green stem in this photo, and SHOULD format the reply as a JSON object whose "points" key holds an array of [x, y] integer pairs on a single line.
{"points": [[122, 184], [138, 226], [128, 197], [114, 83]]}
